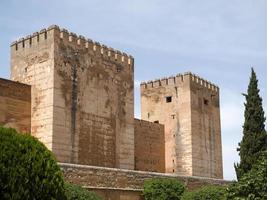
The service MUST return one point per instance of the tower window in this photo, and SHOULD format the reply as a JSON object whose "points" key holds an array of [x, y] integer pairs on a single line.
{"points": [[119, 68], [206, 101], [148, 115], [173, 116], [168, 99], [156, 121]]}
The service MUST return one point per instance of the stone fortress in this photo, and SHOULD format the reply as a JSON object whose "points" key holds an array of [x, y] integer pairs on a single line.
{"points": [[77, 97]]}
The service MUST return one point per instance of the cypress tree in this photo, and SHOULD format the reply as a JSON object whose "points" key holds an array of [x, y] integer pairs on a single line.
{"points": [[254, 140]]}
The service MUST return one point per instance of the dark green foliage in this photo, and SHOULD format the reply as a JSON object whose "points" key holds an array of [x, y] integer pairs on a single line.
{"points": [[75, 192], [163, 189], [254, 139], [253, 185], [206, 193], [28, 170]]}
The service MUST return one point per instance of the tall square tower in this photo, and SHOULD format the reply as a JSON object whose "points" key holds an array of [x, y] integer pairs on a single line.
{"points": [[82, 97], [189, 108]]}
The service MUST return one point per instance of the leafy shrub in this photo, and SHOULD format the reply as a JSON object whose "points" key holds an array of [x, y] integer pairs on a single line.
{"points": [[75, 192], [163, 189], [252, 185], [28, 170], [206, 193]]}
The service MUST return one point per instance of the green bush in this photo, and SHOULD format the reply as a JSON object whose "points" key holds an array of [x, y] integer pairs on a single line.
{"points": [[206, 193], [163, 189], [28, 170], [75, 192], [252, 185]]}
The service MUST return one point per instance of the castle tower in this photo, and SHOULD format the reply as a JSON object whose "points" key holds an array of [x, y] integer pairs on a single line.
{"points": [[189, 108], [82, 97]]}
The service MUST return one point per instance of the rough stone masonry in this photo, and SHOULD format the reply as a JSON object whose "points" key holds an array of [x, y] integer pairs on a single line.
{"points": [[77, 97]]}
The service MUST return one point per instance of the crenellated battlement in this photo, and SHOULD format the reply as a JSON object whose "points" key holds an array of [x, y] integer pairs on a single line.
{"points": [[204, 83], [178, 79], [30, 40], [147, 123], [79, 41]]}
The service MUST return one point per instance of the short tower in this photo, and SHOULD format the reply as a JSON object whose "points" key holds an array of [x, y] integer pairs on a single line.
{"points": [[189, 108]]}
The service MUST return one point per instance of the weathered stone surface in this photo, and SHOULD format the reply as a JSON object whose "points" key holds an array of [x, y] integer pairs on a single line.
{"points": [[32, 63], [15, 105], [82, 97], [82, 108], [117, 194], [189, 108], [119, 184], [149, 148]]}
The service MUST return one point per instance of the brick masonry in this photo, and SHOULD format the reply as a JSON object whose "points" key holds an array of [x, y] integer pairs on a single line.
{"points": [[149, 146], [119, 184], [15, 105]]}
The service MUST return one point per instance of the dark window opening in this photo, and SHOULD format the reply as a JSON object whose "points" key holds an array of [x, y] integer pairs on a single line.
{"points": [[157, 122], [173, 170], [206, 101], [168, 99], [148, 115], [119, 68], [173, 116]]}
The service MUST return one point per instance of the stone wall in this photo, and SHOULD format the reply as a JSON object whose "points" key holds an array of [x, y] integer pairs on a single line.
{"points": [[117, 194], [149, 148], [118, 184], [15, 105], [93, 102], [206, 129]]}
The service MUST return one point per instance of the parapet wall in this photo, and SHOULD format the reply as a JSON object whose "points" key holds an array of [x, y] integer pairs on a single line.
{"points": [[144, 123], [79, 41], [149, 146], [119, 184], [179, 79], [15, 105]]}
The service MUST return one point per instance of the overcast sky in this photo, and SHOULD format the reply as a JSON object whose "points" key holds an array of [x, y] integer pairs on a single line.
{"points": [[218, 40]]}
